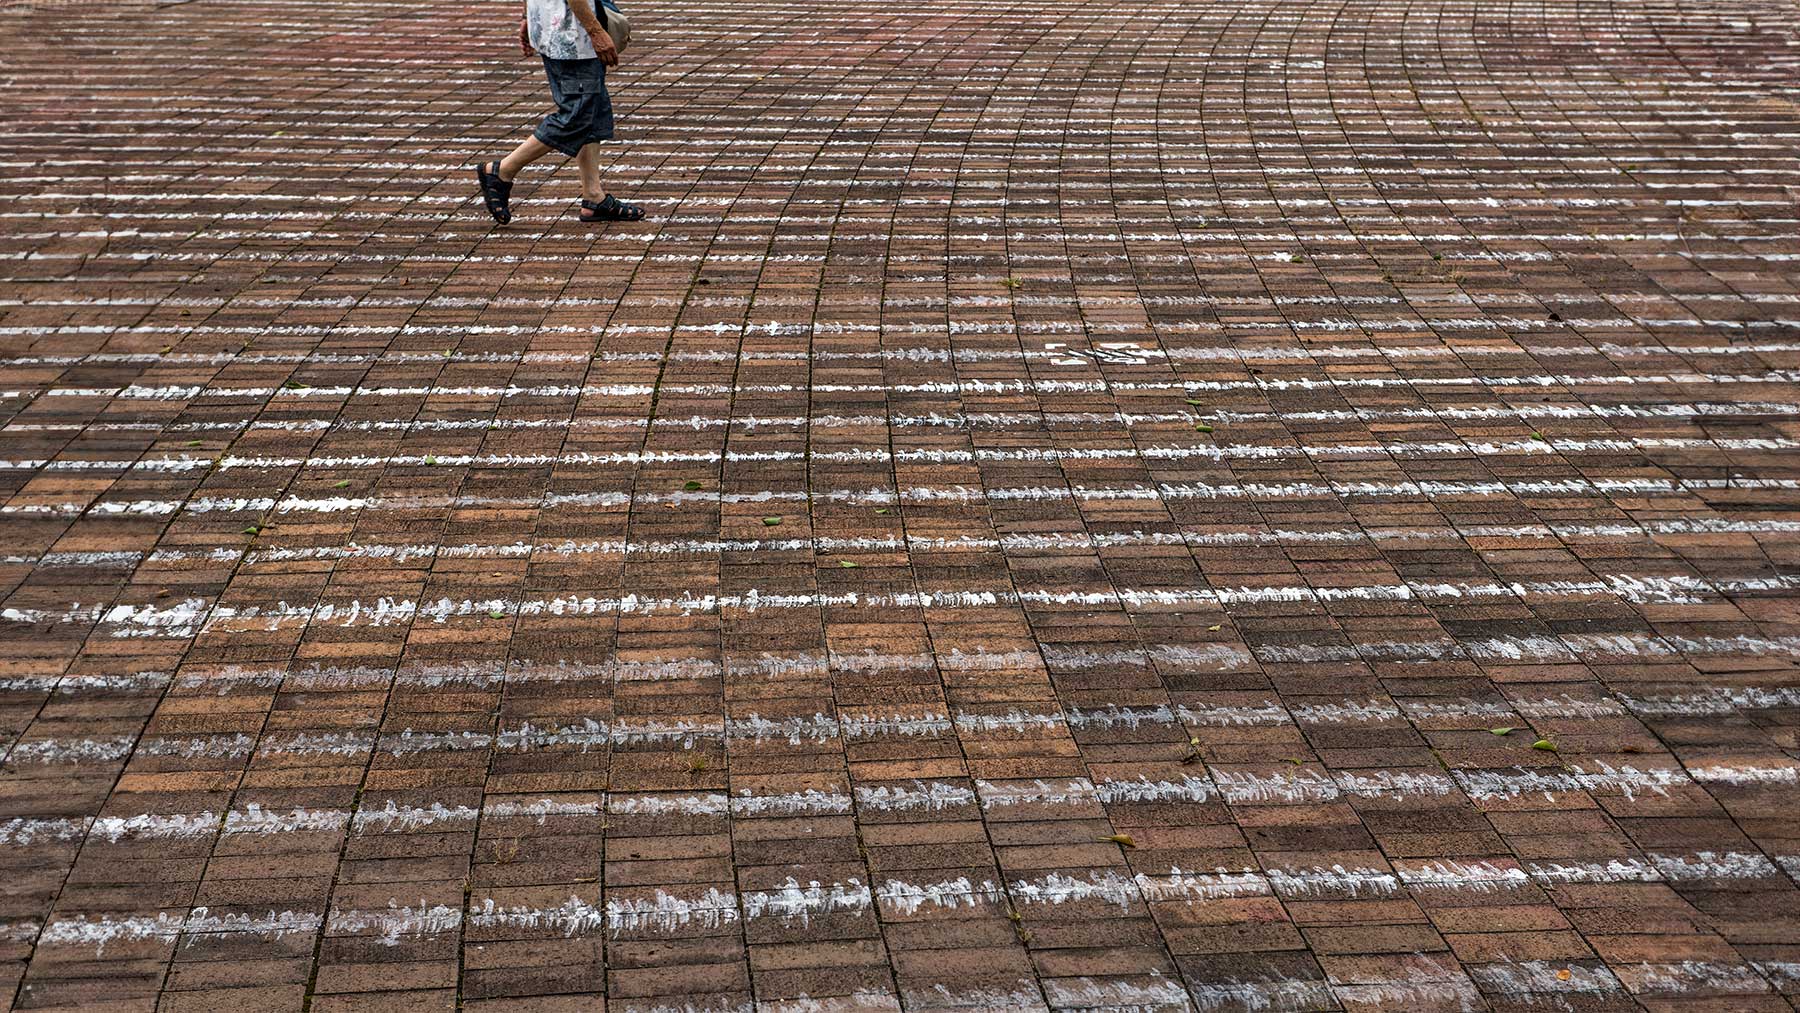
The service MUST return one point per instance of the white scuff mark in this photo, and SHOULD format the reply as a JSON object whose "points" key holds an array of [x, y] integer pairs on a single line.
{"points": [[1472, 876], [1220, 884], [99, 931], [1262, 995], [254, 819], [1739, 776], [795, 903], [1150, 994], [24, 832], [1036, 792], [1627, 781], [698, 804], [395, 818], [903, 899], [1533, 978], [1685, 977], [1336, 880], [929, 796], [1250, 788], [1103, 885], [664, 912], [810, 802], [389, 925], [1144, 790], [573, 917]]}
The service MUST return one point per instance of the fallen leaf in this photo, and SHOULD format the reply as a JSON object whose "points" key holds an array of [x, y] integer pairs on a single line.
{"points": [[429, 459], [1545, 744], [1502, 731], [340, 484], [848, 565], [1203, 427], [1564, 975], [496, 614], [1538, 436], [1213, 629], [1122, 840], [1195, 401], [251, 530], [883, 510], [691, 486], [772, 521], [192, 443]]}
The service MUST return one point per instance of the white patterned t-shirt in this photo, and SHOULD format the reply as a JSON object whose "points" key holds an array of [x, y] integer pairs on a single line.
{"points": [[555, 32]]}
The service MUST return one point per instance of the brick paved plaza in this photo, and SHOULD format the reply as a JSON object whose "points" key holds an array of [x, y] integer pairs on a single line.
{"points": [[1135, 505]]}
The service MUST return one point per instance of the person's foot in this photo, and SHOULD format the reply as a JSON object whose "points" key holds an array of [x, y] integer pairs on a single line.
{"points": [[612, 209], [496, 193]]}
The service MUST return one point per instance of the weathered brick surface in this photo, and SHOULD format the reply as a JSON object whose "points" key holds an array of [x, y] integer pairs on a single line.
{"points": [[1056, 510]]}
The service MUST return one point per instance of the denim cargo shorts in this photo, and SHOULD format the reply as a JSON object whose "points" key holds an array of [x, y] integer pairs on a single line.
{"points": [[583, 109]]}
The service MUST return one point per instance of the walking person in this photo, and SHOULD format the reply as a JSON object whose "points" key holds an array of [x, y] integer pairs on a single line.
{"points": [[577, 50]]}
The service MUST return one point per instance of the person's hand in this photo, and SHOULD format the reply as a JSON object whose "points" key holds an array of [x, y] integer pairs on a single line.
{"points": [[524, 37], [603, 46]]}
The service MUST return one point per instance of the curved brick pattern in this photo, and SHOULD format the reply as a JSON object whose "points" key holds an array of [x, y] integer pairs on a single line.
{"points": [[1065, 506]]}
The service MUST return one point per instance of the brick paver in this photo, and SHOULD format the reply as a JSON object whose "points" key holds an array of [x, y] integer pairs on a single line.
{"points": [[1060, 509]]}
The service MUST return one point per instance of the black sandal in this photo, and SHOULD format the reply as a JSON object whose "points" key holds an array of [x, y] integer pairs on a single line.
{"points": [[612, 209], [496, 193]]}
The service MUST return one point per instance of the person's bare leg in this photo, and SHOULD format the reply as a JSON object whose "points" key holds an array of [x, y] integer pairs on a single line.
{"points": [[589, 161], [528, 151], [593, 191]]}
